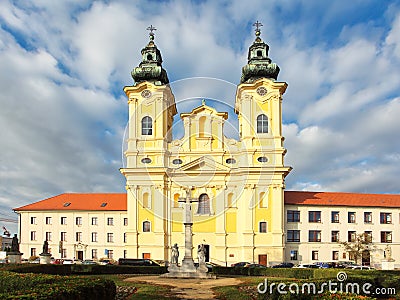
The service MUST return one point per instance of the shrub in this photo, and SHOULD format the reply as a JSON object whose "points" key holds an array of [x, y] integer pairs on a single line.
{"points": [[33, 286], [86, 269]]}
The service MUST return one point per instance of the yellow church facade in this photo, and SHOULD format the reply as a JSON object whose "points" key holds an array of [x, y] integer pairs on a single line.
{"points": [[237, 186]]}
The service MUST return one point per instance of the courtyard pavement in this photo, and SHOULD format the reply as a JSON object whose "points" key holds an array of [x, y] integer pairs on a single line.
{"points": [[188, 288]]}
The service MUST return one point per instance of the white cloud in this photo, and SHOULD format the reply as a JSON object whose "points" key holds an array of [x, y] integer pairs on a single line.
{"points": [[64, 64]]}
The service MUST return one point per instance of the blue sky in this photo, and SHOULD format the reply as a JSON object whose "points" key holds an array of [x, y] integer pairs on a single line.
{"points": [[64, 64]]}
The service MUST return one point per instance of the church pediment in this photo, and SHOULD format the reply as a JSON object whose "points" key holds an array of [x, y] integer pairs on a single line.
{"points": [[204, 109], [203, 164]]}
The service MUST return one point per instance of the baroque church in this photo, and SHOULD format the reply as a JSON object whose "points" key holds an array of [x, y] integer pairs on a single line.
{"points": [[236, 187]]}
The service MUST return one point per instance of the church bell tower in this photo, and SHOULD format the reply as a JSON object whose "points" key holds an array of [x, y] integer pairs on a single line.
{"points": [[151, 111]]}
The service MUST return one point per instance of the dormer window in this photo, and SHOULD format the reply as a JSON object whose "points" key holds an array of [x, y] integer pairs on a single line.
{"points": [[149, 57], [259, 53]]}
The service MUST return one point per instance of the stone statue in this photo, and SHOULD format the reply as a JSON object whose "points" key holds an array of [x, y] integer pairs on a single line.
{"points": [[175, 254], [15, 244], [45, 247], [201, 253], [388, 252]]}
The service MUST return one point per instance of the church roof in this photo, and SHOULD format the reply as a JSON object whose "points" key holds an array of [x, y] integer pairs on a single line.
{"points": [[73, 201], [341, 199], [117, 201]]}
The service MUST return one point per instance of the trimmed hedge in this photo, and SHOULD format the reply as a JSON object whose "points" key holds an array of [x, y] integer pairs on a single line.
{"points": [[34, 286], [271, 272], [86, 269]]}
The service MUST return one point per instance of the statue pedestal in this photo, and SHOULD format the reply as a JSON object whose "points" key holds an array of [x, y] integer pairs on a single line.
{"points": [[14, 257], [188, 270], [202, 267], [388, 264], [45, 258]]}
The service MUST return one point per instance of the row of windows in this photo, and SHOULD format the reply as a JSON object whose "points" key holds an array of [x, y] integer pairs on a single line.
{"points": [[294, 255], [146, 226], [78, 221], [94, 252], [78, 236], [315, 217], [315, 236], [147, 125]]}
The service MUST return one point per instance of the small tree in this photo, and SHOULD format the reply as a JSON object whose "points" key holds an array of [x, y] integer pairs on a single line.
{"points": [[357, 248]]}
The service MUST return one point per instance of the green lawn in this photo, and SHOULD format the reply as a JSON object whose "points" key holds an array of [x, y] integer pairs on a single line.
{"points": [[144, 290]]}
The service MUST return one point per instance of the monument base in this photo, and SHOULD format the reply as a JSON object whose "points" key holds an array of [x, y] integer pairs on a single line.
{"points": [[388, 264], [188, 270], [182, 274], [14, 257], [45, 258]]}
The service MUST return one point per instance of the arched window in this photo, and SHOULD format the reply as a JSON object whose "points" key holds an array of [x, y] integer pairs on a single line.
{"points": [[147, 126], [202, 125], [204, 205], [262, 124], [146, 226]]}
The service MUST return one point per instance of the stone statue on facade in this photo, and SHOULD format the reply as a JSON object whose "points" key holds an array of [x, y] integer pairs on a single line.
{"points": [[15, 244], [175, 254]]}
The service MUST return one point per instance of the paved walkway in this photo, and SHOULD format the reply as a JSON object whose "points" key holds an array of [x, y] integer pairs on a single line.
{"points": [[188, 288]]}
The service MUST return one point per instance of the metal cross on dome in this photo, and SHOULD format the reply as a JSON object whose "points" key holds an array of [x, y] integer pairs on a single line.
{"points": [[257, 25], [151, 28]]}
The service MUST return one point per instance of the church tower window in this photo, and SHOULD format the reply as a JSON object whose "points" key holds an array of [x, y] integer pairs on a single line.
{"points": [[147, 126], [146, 226], [262, 124], [204, 205]]}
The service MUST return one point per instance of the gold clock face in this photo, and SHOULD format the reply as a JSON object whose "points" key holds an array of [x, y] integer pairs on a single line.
{"points": [[262, 91], [146, 94]]}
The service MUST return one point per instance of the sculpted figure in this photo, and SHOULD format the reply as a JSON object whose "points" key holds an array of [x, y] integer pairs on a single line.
{"points": [[45, 247], [201, 253], [14, 244], [175, 254]]}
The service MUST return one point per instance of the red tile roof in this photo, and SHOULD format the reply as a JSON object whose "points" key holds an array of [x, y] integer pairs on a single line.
{"points": [[341, 199], [117, 202], [112, 202]]}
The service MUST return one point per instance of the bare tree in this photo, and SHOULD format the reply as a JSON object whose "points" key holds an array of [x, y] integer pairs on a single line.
{"points": [[359, 246]]}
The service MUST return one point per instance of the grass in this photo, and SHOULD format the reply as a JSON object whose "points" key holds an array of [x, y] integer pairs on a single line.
{"points": [[230, 293], [144, 290]]}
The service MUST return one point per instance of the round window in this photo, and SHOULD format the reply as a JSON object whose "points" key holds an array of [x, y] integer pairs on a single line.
{"points": [[262, 159], [231, 161], [146, 160], [177, 161]]}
